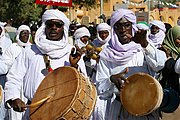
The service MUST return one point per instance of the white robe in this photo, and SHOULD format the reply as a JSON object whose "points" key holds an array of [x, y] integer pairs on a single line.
{"points": [[148, 60], [177, 66], [5, 42], [8, 58], [29, 69]]}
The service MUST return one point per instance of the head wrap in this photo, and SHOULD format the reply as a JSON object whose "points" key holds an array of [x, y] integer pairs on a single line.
{"points": [[83, 31], [169, 41], [128, 14], [115, 51], [55, 14], [55, 49], [21, 28], [158, 38], [2, 23], [102, 27], [142, 25], [159, 24]]}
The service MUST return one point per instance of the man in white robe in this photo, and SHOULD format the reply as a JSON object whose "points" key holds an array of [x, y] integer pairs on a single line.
{"points": [[125, 49], [157, 32], [9, 56], [5, 42], [103, 36], [30, 69], [81, 36]]}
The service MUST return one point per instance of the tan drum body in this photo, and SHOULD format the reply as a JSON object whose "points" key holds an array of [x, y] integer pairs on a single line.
{"points": [[142, 95], [72, 96]]}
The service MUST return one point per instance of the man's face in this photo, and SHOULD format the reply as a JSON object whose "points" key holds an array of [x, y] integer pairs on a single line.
{"points": [[24, 36], [123, 29], [84, 39], [154, 29], [54, 29], [103, 34]]}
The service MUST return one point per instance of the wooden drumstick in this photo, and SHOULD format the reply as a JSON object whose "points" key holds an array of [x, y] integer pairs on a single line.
{"points": [[38, 102]]}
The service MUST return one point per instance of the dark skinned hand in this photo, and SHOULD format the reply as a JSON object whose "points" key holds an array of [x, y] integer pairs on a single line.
{"points": [[140, 37], [167, 51], [18, 105], [117, 78], [75, 56]]}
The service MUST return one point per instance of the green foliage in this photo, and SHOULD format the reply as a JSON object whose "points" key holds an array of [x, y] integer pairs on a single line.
{"points": [[24, 11], [21, 11]]}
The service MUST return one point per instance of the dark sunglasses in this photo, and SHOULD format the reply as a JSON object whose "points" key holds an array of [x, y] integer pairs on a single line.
{"points": [[50, 24]]}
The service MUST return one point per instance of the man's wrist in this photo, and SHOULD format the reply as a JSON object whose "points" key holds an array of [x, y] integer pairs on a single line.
{"points": [[75, 66]]}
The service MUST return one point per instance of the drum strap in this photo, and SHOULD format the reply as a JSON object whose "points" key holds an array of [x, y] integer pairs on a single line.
{"points": [[47, 63]]}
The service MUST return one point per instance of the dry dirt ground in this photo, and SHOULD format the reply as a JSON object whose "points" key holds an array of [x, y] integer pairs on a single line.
{"points": [[172, 116]]}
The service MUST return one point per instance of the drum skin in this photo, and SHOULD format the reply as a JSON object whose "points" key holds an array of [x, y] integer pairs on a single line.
{"points": [[142, 95], [72, 96]]}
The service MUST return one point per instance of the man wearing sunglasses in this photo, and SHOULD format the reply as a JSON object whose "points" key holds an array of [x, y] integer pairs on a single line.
{"points": [[51, 41]]}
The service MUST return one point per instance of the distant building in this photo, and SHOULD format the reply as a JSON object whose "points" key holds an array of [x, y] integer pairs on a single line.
{"points": [[85, 16]]}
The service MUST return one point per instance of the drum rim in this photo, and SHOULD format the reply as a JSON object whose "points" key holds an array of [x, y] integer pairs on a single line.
{"points": [[159, 99], [75, 92]]}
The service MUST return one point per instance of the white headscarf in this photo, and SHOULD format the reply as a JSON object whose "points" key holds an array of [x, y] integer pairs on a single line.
{"points": [[159, 24], [55, 49], [21, 28], [142, 25], [83, 31], [115, 51], [102, 27], [158, 38]]}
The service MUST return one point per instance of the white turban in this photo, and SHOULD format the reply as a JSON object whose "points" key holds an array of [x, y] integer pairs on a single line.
{"points": [[21, 28], [83, 31], [55, 14], [159, 24], [103, 26], [127, 14], [142, 25], [54, 49]]}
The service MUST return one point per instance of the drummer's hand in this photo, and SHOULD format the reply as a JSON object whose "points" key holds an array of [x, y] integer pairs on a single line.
{"points": [[118, 78], [140, 37], [75, 57], [18, 105]]}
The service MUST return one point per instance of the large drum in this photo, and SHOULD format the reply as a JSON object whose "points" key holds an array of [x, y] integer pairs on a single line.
{"points": [[141, 95], [64, 94]]}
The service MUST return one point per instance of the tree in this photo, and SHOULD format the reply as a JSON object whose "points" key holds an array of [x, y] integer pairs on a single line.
{"points": [[24, 11], [21, 11]]}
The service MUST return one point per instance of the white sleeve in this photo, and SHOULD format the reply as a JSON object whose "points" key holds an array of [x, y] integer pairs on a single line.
{"points": [[6, 61], [15, 77], [105, 87], [177, 66], [155, 58]]}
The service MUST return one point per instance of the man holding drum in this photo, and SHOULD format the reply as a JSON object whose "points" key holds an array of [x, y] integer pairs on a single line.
{"points": [[31, 66], [127, 48]]}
